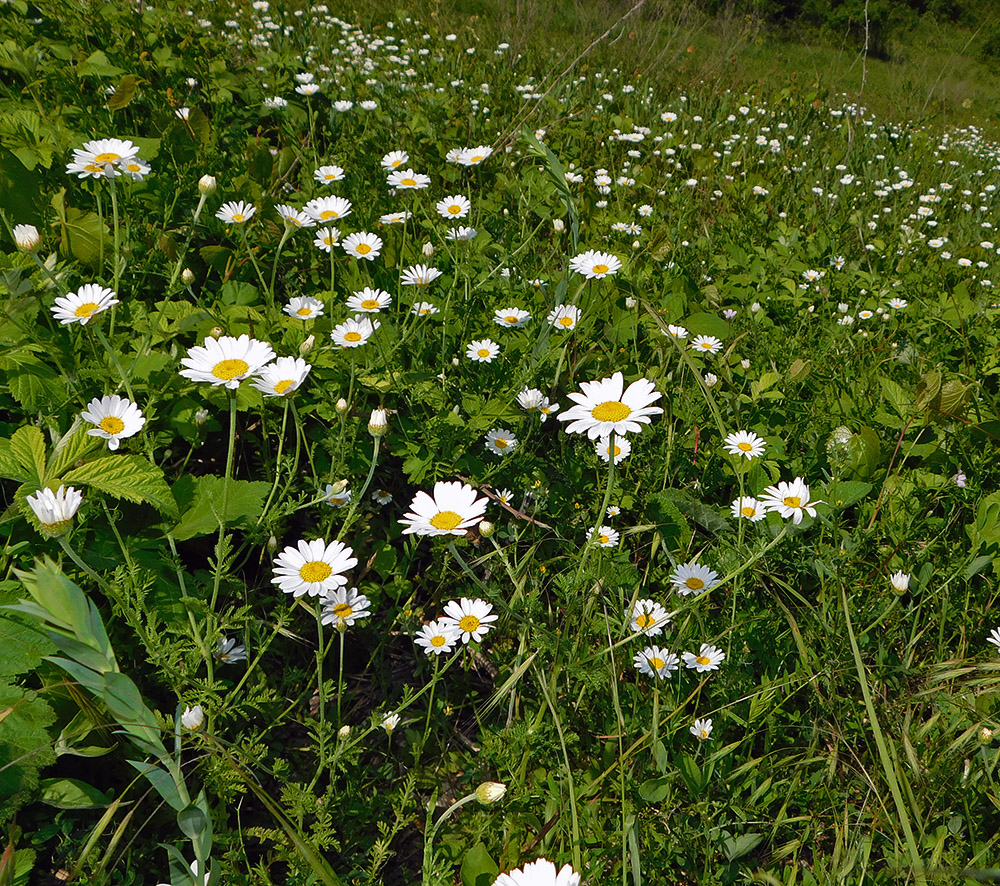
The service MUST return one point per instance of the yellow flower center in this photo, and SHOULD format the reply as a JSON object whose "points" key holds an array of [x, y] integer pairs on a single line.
{"points": [[703, 733], [409, 182], [510, 319], [438, 641], [706, 345], [352, 336], [283, 386], [694, 584], [476, 159], [330, 240], [396, 164], [328, 213], [363, 248], [87, 309], [227, 370], [749, 511], [132, 167], [469, 624], [446, 520], [483, 352], [744, 446], [330, 177], [656, 663], [237, 216], [343, 610], [304, 312], [618, 451], [112, 424], [793, 501], [601, 269], [644, 621], [703, 660], [315, 570], [611, 410], [108, 157], [370, 304], [566, 321], [454, 209], [500, 443], [603, 539]]}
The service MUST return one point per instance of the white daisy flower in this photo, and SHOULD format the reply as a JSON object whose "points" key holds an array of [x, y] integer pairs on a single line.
{"points": [[369, 300], [654, 661], [327, 238], [395, 218], [482, 350], [80, 306], [595, 265], [564, 317], [353, 333], [622, 449], [451, 510], [424, 309], [474, 156], [708, 659], [701, 729], [336, 495], [293, 218], [283, 377], [363, 245], [116, 418], [748, 508], [229, 651], [547, 407], [472, 618], [313, 567], [419, 275], [454, 207], [304, 307], [993, 638], [604, 407], [500, 441], [900, 582], [236, 212], [789, 500], [539, 873], [648, 617], [462, 235], [344, 606], [437, 637], [606, 537], [693, 578], [226, 360], [678, 332], [407, 180], [26, 237], [746, 444], [327, 175], [513, 318], [706, 344], [328, 209], [395, 159], [55, 510]]}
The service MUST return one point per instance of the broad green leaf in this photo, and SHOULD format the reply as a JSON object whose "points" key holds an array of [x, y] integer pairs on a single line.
{"points": [[244, 504], [35, 384], [124, 93], [69, 449], [736, 847], [478, 867], [24, 646], [162, 781], [126, 476], [192, 821], [97, 65], [71, 793], [655, 790], [27, 447]]}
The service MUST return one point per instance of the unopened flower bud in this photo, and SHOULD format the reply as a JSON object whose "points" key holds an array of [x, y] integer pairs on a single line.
{"points": [[486, 528], [710, 379], [558, 225], [428, 249], [216, 332], [307, 345], [986, 734], [193, 718], [630, 302], [207, 184], [200, 416], [344, 733], [338, 487], [187, 276], [378, 424], [490, 792], [272, 544], [341, 406], [27, 237]]}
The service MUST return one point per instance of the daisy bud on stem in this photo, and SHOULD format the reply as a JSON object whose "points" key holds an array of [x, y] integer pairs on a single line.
{"points": [[486, 529], [341, 406], [378, 424], [27, 237], [490, 792], [193, 718], [187, 276], [307, 345], [428, 249], [207, 184]]}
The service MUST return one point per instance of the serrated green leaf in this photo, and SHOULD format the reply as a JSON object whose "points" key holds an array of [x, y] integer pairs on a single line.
{"points": [[69, 449], [244, 504], [27, 447], [24, 646], [35, 384], [126, 476]]}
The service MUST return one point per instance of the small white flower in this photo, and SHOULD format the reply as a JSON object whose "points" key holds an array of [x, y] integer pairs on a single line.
{"points": [[116, 418], [702, 729]]}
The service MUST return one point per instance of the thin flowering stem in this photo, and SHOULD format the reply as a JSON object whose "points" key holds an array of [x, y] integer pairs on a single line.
{"points": [[463, 564], [187, 243], [592, 537], [431, 832], [101, 583], [256, 267], [114, 359], [356, 499], [277, 255], [277, 460], [199, 639]]}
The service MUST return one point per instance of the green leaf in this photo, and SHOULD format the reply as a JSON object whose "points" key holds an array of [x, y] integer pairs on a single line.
{"points": [[71, 793], [736, 847], [244, 504], [70, 449], [81, 233], [24, 646], [478, 868], [130, 477], [192, 821], [124, 93], [669, 520], [97, 65], [35, 384], [162, 781], [655, 790], [27, 448], [843, 494], [692, 774]]}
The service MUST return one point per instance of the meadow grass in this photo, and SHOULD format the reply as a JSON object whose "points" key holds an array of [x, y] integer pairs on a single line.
{"points": [[445, 446]]}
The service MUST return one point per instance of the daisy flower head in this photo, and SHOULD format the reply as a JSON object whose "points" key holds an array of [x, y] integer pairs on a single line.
{"points": [[84, 304], [283, 377], [226, 360], [419, 275], [26, 237], [407, 180], [547, 407], [327, 175], [337, 495], [900, 582], [748, 508], [424, 309], [450, 510], [595, 265], [101, 158], [539, 873], [437, 637], [395, 218], [304, 307], [328, 209], [55, 510], [236, 212], [692, 578], [678, 332], [564, 317], [326, 239], [474, 156], [116, 418], [501, 442], [897, 304], [706, 344], [229, 651], [456, 206], [395, 159], [389, 723], [307, 88], [483, 350], [461, 235], [789, 500], [622, 449], [648, 617], [993, 638], [606, 406], [473, 619], [530, 398], [369, 300], [313, 567], [655, 662], [708, 659], [293, 218], [606, 537], [505, 497], [353, 333], [363, 245], [702, 729], [512, 318], [343, 607], [746, 444]]}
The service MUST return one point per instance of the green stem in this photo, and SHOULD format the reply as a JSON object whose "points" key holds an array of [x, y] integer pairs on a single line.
{"points": [[430, 702], [340, 672], [465, 566], [253, 261], [357, 499], [114, 359], [592, 538], [187, 243], [432, 833], [277, 461], [277, 255], [116, 270], [101, 583], [195, 630]]}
